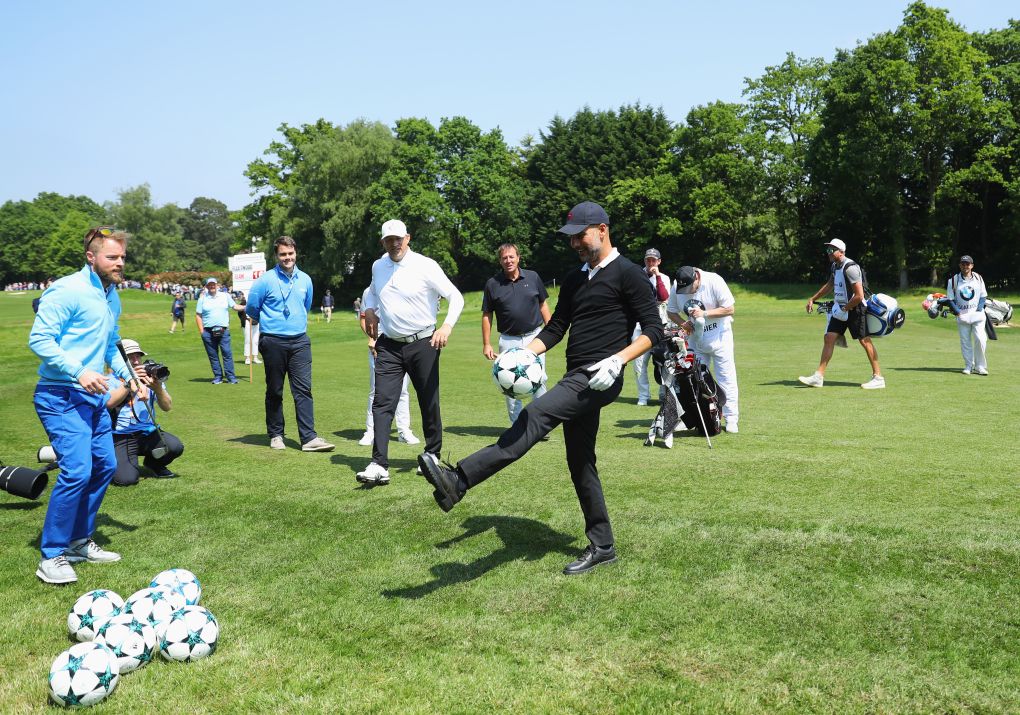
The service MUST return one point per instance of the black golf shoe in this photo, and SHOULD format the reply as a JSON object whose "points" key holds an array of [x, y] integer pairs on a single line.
{"points": [[591, 557], [444, 478]]}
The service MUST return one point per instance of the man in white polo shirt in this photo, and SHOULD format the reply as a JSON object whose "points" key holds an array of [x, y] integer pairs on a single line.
{"points": [[400, 312], [706, 304]]}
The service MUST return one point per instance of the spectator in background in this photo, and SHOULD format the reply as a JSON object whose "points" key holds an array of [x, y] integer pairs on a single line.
{"points": [[327, 306], [212, 315], [177, 312]]}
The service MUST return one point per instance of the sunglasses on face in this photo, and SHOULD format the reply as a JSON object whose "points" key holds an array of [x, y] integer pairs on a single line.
{"points": [[830, 250]]}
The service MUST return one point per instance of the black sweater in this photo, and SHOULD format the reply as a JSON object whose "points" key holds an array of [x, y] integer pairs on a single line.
{"points": [[601, 312]]}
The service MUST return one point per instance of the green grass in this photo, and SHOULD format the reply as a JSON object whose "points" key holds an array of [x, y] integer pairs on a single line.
{"points": [[847, 552]]}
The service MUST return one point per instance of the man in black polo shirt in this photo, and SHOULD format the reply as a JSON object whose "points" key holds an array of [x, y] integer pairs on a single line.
{"points": [[599, 302], [518, 299]]}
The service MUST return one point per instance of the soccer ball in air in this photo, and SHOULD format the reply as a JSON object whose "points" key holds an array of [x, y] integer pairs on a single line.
{"points": [[518, 372], [180, 581], [90, 610], [190, 634], [132, 640], [83, 674], [154, 605]]}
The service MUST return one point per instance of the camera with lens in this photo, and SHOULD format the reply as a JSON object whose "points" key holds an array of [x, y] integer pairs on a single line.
{"points": [[156, 370]]}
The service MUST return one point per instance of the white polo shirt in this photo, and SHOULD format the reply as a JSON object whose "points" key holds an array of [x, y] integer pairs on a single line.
{"points": [[407, 292], [712, 293]]}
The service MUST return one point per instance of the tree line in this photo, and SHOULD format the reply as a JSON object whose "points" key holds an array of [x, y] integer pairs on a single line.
{"points": [[905, 146]]}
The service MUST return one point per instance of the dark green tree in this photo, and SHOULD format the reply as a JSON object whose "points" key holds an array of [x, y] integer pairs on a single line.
{"points": [[579, 159]]}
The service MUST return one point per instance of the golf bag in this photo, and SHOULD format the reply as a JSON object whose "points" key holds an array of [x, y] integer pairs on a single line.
{"points": [[692, 397], [998, 312]]}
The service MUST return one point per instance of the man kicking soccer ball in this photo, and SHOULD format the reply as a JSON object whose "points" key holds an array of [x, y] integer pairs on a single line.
{"points": [[599, 302]]}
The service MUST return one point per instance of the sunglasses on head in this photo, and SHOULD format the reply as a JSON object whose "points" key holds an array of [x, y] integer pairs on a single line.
{"points": [[104, 231]]}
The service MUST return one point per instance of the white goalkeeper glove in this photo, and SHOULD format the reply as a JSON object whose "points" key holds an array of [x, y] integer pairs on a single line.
{"points": [[604, 373]]}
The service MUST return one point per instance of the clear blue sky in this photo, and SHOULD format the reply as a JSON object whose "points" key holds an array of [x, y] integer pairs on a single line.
{"points": [[106, 95]]}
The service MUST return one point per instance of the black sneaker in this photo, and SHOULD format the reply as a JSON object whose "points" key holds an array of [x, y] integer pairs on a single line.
{"points": [[444, 478], [591, 557]]}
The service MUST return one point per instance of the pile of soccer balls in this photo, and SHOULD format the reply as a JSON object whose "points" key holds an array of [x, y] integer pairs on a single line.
{"points": [[119, 636], [518, 373]]}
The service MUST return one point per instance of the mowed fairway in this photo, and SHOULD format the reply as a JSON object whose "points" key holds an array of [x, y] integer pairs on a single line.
{"points": [[849, 551]]}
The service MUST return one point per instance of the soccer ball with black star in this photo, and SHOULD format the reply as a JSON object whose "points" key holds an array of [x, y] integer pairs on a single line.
{"points": [[190, 634], [518, 373], [90, 610], [131, 640], [180, 581], [83, 674], [154, 605]]}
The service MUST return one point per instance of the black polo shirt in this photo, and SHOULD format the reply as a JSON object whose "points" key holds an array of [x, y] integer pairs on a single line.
{"points": [[516, 303]]}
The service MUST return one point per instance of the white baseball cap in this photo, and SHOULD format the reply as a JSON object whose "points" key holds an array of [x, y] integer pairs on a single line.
{"points": [[394, 227], [131, 347], [836, 243]]}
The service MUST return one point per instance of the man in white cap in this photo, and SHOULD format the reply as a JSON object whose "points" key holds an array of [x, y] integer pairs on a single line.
{"points": [[400, 313], [847, 284], [967, 291], [660, 288], [704, 304]]}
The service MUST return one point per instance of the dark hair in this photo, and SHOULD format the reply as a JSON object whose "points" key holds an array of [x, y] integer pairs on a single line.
{"points": [[283, 241]]}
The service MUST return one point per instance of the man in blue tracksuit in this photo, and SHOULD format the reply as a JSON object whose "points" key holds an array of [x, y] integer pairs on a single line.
{"points": [[280, 300], [75, 335]]}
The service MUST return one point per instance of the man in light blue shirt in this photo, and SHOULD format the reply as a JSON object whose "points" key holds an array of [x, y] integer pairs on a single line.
{"points": [[212, 315], [75, 335], [280, 300]]}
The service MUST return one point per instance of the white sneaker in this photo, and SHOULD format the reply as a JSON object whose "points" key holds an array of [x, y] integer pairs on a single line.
{"points": [[258, 360], [367, 439], [731, 427], [374, 474], [982, 371], [56, 570], [318, 444], [815, 380], [277, 443], [247, 361], [408, 438], [877, 382], [966, 371], [642, 403], [89, 550]]}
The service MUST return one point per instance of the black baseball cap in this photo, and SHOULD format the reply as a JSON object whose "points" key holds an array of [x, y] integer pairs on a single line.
{"points": [[685, 278], [585, 214], [966, 259]]}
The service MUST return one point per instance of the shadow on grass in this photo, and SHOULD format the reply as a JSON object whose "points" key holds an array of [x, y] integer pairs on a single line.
{"points": [[927, 369], [523, 539], [798, 383], [475, 431], [20, 506], [104, 523], [262, 440], [358, 462], [352, 434]]}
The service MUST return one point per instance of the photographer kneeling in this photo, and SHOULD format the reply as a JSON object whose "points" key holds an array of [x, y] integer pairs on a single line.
{"points": [[135, 431]]}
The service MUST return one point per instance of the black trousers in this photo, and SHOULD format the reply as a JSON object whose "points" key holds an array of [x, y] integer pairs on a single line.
{"points": [[578, 408], [130, 446], [289, 356], [421, 362]]}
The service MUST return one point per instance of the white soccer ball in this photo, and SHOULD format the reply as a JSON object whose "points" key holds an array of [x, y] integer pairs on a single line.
{"points": [[180, 581], [190, 634], [518, 373], [131, 639], [154, 605], [83, 674], [90, 610]]}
